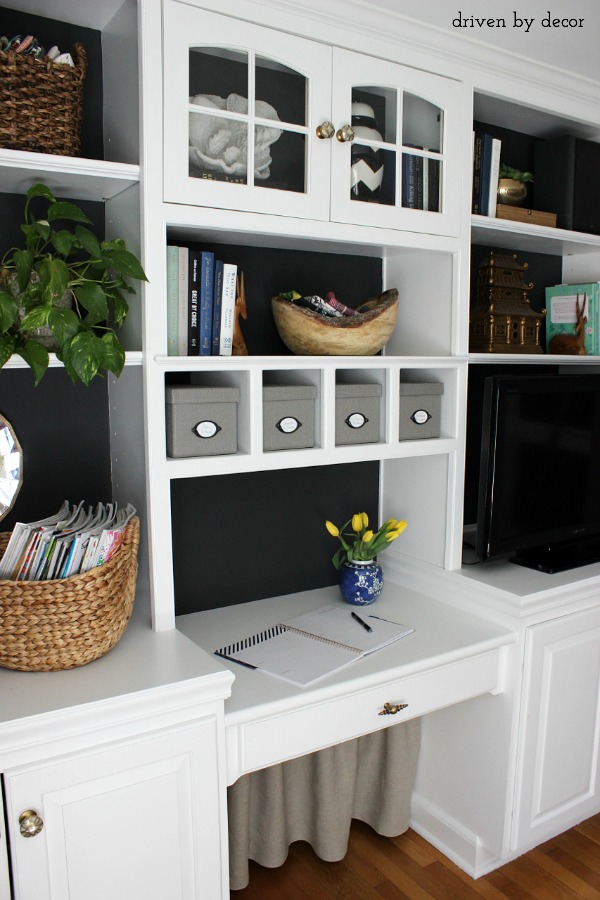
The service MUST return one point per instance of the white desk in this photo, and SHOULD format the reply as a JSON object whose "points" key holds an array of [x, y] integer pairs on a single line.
{"points": [[451, 656]]}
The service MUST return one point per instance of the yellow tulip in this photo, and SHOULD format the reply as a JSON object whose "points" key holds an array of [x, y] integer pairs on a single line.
{"points": [[356, 522], [365, 520], [390, 524], [393, 534], [368, 536], [332, 529]]}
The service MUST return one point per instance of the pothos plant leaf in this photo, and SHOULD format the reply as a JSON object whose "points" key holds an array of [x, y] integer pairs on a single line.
{"points": [[56, 260], [7, 347], [83, 356], [8, 311], [64, 324], [36, 356]]}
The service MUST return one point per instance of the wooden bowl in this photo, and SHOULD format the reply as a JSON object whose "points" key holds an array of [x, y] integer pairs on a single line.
{"points": [[308, 333]]}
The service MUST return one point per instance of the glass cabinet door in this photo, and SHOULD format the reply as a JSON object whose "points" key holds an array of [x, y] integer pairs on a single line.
{"points": [[241, 108], [396, 160]]}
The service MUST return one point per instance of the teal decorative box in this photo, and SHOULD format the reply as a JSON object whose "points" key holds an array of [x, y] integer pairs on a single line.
{"points": [[561, 316]]}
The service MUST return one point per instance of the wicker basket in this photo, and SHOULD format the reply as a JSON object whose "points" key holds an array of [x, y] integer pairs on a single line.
{"points": [[47, 626], [40, 103]]}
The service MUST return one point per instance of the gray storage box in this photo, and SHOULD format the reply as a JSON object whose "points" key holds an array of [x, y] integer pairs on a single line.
{"points": [[357, 413], [201, 421], [288, 416], [420, 408]]}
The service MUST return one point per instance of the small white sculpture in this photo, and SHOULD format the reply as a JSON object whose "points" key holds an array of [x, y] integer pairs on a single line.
{"points": [[220, 144]]}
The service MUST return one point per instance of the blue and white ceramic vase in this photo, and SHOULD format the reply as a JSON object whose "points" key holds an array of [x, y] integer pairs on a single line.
{"points": [[361, 582]]}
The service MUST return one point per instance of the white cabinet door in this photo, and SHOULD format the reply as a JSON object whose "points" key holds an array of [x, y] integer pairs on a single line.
{"points": [[144, 819], [242, 104], [244, 110], [400, 165], [559, 780], [4, 872]]}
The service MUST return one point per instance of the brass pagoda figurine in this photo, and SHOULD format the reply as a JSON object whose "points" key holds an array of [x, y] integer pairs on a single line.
{"points": [[502, 320]]}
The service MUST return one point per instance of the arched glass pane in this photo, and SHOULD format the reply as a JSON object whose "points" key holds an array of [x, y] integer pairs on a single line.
{"points": [[281, 89], [422, 124]]}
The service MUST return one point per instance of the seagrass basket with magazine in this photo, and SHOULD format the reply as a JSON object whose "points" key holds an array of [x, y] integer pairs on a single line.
{"points": [[47, 626], [41, 102]]}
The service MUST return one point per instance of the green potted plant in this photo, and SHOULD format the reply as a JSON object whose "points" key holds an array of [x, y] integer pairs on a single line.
{"points": [[512, 185], [64, 289]]}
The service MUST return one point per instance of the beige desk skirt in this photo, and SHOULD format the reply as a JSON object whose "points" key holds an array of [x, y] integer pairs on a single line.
{"points": [[315, 797]]}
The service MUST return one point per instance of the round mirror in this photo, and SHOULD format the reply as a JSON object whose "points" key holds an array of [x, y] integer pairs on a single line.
{"points": [[11, 467]]}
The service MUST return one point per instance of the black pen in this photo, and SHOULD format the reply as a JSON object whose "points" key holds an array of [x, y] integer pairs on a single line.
{"points": [[233, 659], [361, 621]]}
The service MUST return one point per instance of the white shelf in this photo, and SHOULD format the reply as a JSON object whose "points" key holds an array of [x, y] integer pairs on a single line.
{"points": [[199, 467], [210, 363], [132, 358], [534, 359], [67, 177], [533, 238]]}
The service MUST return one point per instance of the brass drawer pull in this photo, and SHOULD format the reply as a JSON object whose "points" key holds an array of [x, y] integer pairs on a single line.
{"points": [[390, 709]]}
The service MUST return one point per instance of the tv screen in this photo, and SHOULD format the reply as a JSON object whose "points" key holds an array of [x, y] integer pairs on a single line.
{"points": [[539, 480]]}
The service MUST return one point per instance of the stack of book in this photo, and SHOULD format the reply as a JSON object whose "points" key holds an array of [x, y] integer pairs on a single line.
{"points": [[74, 540], [201, 295], [420, 182], [486, 169]]}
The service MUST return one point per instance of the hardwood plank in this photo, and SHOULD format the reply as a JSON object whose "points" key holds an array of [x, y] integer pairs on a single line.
{"points": [[379, 868], [569, 862], [529, 876], [566, 876]]}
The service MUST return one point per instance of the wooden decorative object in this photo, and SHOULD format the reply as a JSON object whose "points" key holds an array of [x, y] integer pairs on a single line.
{"points": [[239, 345], [519, 214], [502, 320], [41, 103], [47, 626], [308, 333]]}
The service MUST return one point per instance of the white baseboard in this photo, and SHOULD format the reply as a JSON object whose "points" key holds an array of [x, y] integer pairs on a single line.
{"points": [[452, 839]]}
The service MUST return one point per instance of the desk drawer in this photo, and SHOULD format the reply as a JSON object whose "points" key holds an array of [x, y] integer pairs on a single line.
{"points": [[286, 735]]}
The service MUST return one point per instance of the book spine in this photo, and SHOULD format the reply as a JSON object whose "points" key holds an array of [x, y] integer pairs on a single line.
{"points": [[194, 303], [228, 297], [408, 181], [434, 185], [494, 173], [418, 163], [216, 316], [172, 299], [207, 276], [477, 149], [486, 161], [182, 319]]}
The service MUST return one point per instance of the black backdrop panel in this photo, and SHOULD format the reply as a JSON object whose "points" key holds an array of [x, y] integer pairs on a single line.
{"points": [[64, 433], [238, 538]]}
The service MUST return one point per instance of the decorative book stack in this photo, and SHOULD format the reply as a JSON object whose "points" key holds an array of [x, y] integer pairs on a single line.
{"points": [[502, 320]]}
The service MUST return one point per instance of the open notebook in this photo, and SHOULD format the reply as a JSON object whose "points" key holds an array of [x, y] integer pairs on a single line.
{"points": [[315, 644]]}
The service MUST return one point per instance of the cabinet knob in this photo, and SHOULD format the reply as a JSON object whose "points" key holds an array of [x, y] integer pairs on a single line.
{"points": [[390, 709], [325, 131], [30, 823], [345, 133]]}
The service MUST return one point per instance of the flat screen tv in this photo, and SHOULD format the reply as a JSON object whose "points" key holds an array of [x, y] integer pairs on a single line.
{"points": [[539, 479]]}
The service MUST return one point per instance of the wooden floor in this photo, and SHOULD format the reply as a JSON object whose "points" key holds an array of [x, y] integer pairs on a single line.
{"points": [[408, 867]]}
